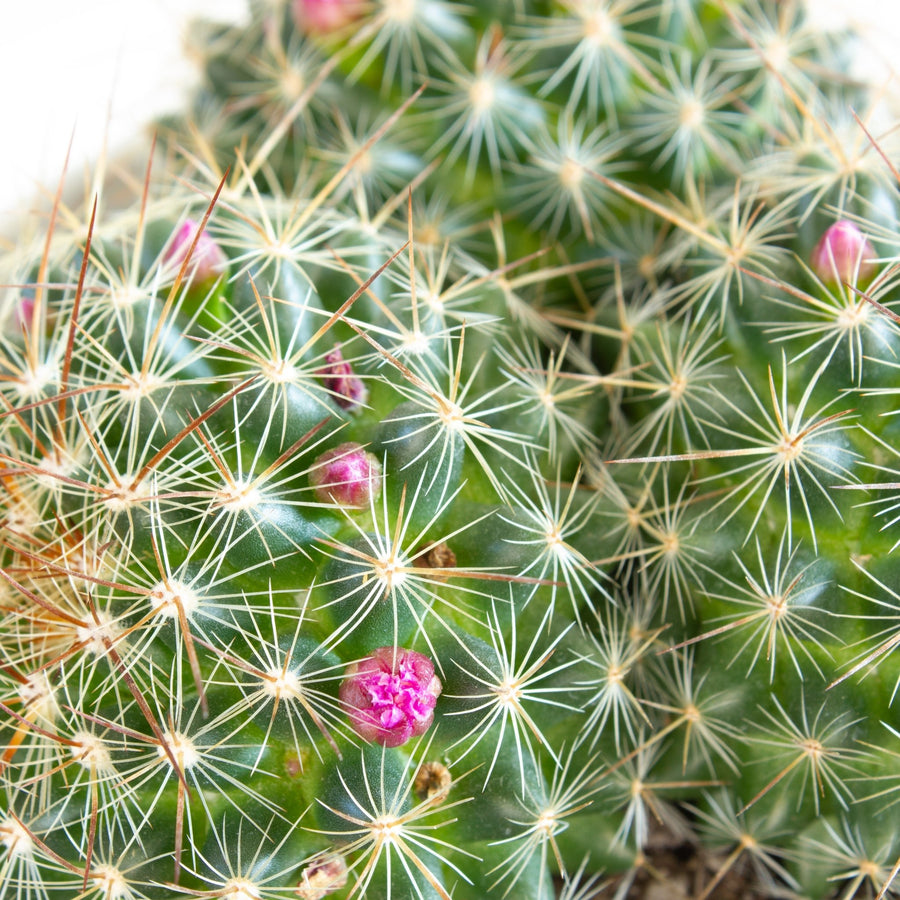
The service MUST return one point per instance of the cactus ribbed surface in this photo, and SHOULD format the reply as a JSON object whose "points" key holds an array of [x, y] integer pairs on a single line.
{"points": [[470, 467]]}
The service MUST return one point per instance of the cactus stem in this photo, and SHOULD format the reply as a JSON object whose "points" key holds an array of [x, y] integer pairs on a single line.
{"points": [[886, 640], [546, 817], [508, 685], [815, 747], [383, 830], [779, 606]]}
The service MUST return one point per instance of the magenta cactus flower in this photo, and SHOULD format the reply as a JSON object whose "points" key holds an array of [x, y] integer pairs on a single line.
{"points": [[347, 389], [390, 695], [208, 259], [843, 255], [325, 16], [348, 476]]}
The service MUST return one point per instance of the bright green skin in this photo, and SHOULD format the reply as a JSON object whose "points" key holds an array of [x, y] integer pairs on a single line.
{"points": [[612, 619]]}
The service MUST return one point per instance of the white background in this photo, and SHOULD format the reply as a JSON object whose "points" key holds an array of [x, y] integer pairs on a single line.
{"points": [[91, 71], [96, 71]]}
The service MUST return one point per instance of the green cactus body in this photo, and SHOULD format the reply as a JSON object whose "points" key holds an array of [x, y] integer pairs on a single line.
{"points": [[506, 477]]}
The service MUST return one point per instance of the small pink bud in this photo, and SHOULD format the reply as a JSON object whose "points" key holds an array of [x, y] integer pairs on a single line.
{"points": [[325, 16], [25, 312], [208, 261], [843, 255], [390, 695], [347, 390], [347, 476]]}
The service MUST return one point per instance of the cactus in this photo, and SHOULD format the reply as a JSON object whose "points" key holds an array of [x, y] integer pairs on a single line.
{"points": [[473, 476]]}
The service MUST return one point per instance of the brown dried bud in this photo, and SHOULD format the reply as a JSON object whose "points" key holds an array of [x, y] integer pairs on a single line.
{"points": [[347, 390], [436, 556], [322, 877], [433, 782]]}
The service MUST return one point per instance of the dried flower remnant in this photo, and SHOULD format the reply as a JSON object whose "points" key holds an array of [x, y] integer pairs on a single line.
{"points": [[433, 782], [347, 389], [437, 556], [322, 877]]}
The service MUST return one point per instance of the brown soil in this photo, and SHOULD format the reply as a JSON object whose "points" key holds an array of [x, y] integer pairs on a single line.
{"points": [[671, 868]]}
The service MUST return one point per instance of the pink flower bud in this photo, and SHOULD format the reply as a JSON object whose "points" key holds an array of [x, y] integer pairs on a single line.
{"points": [[325, 16], [208, 261], [347, 390], [390, 695], [25, 312], [347, 476], [843, 255]]}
